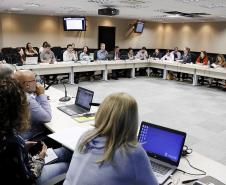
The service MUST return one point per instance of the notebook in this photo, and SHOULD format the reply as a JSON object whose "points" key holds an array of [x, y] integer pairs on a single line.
{"points": [[163, 146], [82, 119], [50, 156]]}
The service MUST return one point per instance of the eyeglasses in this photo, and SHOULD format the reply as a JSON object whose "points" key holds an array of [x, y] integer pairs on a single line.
{"points": [[31, 81]]}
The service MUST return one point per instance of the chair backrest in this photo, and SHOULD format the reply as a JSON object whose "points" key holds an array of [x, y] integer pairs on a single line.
{"points": [[57, 52], [95, 55], [79, 52]]}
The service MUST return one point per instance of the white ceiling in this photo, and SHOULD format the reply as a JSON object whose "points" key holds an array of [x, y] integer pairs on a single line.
{"points": [[149, 10]]}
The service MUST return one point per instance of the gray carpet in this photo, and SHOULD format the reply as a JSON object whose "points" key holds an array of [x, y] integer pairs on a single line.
{"points": [[198, 111]]}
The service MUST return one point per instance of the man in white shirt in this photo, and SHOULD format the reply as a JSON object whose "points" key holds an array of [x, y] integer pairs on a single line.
{"points": [[69, 54], [142, 54], [168, 56], [176, 54]]}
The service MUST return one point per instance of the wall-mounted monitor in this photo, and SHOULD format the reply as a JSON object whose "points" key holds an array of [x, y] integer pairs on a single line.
{"points": [[138, 27], [74, 23]]}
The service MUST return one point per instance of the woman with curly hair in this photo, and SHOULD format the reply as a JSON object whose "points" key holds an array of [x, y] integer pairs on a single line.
{"points": [[17, 166]]}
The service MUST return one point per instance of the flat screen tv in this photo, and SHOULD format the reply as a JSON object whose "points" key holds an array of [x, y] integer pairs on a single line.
{"points": [[74, 23], [138, 27]]}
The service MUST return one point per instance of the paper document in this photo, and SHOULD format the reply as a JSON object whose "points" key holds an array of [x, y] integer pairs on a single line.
{"points": [[50, 156]]}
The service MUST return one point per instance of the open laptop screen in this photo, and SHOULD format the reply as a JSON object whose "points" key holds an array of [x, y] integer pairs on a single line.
{"points": [[84, 97], [162, 143]]}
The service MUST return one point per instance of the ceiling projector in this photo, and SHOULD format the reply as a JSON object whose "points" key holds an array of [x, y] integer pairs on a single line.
{"points": [[108, 11]]}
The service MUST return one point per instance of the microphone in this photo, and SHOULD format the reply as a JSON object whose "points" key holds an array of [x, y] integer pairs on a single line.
{"points": [[65, 98], [94, 104]]}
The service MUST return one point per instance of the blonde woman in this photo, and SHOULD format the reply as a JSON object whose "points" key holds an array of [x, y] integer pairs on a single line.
{"points": [[110, 154]]}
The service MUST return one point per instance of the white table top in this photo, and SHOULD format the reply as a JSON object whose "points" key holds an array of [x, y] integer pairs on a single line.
{"points": [[67, 132]]}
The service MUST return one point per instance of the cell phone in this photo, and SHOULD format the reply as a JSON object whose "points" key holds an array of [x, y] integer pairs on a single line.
{"points": [[36, 148]]}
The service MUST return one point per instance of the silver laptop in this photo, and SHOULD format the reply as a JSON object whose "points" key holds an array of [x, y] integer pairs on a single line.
{"points": [[84, 98], [91, 56], [31, 61], [163, 146]]}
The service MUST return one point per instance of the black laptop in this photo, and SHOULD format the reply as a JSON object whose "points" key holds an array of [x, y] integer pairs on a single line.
{"points": [[82, 105]]}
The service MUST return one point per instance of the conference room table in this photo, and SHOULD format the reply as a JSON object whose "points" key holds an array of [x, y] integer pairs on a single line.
{"points": [[67, 132], [108, 65]]}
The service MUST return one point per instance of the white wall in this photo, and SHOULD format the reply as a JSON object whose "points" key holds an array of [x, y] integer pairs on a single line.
{"points": [[17, 30]]}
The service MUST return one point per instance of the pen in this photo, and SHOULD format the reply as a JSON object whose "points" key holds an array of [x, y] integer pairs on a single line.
{"points": [[187, 181]]}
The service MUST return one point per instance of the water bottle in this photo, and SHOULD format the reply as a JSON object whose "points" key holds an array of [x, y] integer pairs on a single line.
{"points": [[209, 63]]}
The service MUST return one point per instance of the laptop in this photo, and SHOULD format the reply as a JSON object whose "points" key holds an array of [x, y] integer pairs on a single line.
{"points": [[163, 146], [31, 61], [91, 56], [82, 105]]}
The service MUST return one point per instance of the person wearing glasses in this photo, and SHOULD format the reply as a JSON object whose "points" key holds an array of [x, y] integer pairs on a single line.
{"points": [[40, 111]]}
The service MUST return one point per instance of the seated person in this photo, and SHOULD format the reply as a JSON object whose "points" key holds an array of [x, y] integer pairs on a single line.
{"points": [[130, 54], [109, 154], [18, 166], [41, 49], [47, 56], [202, 58], [2, 59], [142, 54], [84, 55], [6, 71], [102, 54], [168, 56], [69, 54], [115, 55], [186, 57], [220, 61], [30, 51], [157, 54], [176, 54], [39, 107], [19, 58]]}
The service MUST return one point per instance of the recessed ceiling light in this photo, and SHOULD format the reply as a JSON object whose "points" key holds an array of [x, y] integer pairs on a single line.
{"points": [[173, 16], [16, 9], [35, 5], [190, 1]]}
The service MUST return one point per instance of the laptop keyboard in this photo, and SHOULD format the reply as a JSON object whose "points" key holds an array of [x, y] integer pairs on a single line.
{"points": [[158, 168], [79, 110]]}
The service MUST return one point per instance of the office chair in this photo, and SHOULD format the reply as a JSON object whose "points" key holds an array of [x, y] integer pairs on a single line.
{"points": [[78, 53], [58, 53], [95, 54]]}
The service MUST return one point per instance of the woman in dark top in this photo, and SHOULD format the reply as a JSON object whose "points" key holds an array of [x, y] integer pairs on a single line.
{"points": [[19, 57], [30, 51], [17, 166]]}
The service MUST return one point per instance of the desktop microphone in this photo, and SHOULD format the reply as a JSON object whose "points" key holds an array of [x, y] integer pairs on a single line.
{"points": [[65, 98], [94, 104]]}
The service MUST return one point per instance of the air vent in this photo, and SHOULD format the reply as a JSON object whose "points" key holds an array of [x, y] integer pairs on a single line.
{"points": [[186, 14]]}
